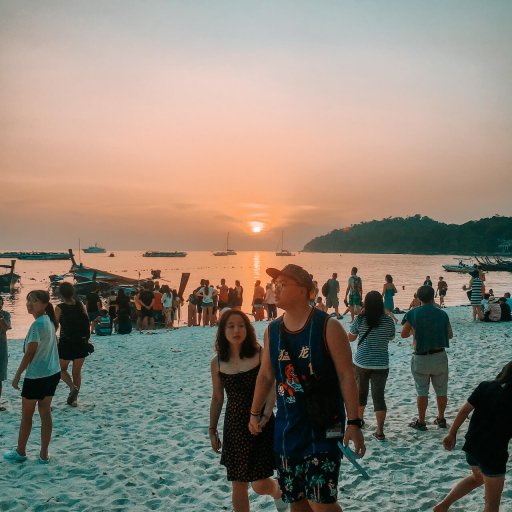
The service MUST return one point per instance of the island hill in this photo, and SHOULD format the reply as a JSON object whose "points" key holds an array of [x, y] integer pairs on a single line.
{"points": [[419, 235]]}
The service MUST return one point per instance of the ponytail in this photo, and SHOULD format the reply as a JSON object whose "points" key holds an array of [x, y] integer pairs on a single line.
{"points": [[51, 313]]}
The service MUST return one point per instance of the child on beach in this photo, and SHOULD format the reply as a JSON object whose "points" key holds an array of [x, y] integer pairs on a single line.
{"points": [[41, 362], [320, 304], [415, 302], [5, 325], [102, 324], [487, 438], [234, 370]]}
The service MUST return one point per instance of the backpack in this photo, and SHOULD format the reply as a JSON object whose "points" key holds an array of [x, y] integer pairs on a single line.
{"points": [[192, 299], [325, 289], [74, 323], [357, 285]]}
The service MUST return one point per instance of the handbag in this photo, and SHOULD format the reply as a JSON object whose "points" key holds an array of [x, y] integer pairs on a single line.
{"points": [[320, 393]]}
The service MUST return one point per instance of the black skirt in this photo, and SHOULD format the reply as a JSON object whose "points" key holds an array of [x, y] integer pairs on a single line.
{"points": [[70, 350]]}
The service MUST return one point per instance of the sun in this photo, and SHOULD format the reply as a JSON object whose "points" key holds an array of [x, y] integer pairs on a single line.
{"points": [[256, 227]]}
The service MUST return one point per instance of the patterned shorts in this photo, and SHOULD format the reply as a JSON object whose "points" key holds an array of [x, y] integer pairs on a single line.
{"points": [[314, 478]]}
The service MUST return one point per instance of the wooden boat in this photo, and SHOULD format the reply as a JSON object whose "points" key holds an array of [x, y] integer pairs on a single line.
{"points": [[83, 274], [164, 254], [43, 256], [9, 280], [95, 249], [227, 252], [283, 252], [496, 264], [9, 255]]}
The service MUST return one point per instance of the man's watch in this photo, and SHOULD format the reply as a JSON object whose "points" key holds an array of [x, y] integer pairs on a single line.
{"points": [[358, 422]]}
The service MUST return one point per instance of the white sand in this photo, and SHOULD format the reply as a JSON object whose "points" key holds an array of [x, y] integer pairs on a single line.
{"points": [[139, 438]]}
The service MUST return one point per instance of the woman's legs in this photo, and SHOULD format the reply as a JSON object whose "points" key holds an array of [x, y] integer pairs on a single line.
{"points": [[378, 380], [45, 412], [363, 383], [64, 374], [240, 496], [27, 412], [267, 486], [77, 371], [460, 489]]}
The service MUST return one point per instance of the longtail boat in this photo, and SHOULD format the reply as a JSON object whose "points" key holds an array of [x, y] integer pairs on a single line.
{"points": [[11, 279]]}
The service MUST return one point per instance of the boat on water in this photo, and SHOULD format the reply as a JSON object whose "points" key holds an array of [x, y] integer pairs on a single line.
{"points": [[464, 266], [9, 280], [283, 252], [227, 252], [35, 255], [82, 274], [95, 249], [496, 264], [164, 254]]}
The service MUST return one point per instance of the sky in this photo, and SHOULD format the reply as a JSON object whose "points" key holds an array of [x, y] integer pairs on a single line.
{"points": [[166, 124]]}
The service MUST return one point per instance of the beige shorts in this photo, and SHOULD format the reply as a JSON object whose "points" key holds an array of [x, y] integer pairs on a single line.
{"points": [[430, 368]]}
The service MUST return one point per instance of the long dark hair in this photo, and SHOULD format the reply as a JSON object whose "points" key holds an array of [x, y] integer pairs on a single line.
{"points": [[373, 308], [249, 345], [44, 297], [505, 375]]}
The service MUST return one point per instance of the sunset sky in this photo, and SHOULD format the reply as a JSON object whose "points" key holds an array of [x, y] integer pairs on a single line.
{"points": [[166, 124]]}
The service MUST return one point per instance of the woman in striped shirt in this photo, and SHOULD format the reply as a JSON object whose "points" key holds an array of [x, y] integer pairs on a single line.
{"points": [[475, 286], [373, 329]]}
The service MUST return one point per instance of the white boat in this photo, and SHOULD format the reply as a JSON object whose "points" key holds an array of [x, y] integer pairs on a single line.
{"points": [[284, 252], [461, 267], [95, 249], [227, 252]]}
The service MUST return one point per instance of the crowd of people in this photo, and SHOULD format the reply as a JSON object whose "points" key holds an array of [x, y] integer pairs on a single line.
{"points": [[306, 371]]}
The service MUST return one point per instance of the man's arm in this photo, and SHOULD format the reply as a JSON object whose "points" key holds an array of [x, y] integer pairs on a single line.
{"points": [[450, 331], [407, 330], [339, 349], [264, 384]]}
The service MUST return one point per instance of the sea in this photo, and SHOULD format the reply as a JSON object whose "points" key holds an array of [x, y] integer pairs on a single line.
{"points": [[408, 273]]}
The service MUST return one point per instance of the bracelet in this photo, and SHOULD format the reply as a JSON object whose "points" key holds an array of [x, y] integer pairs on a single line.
{"points": [[258, 414], [213, 428]]}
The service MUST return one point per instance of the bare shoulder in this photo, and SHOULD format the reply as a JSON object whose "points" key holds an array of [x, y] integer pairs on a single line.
{"points": [[334, 328]]}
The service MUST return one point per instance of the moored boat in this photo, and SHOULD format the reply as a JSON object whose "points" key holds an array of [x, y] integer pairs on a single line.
{"points": [[283, 252], [43, 256], [9, 280], [227, 252], [95, 249], [164, 254]]}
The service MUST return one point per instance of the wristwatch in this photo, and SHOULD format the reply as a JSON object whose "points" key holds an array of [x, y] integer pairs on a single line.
{"points": [[357, 422]]}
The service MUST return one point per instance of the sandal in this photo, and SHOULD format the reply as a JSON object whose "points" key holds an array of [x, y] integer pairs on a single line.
{"points": [[440, 422], [73, 395], [379, 437], [14, 456], [416, 424]]}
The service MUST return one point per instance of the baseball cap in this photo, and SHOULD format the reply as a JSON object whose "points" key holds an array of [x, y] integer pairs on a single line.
{"points": [[295, 272]]}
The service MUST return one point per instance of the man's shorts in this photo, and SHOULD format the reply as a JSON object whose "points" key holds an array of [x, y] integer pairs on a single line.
{"points": [[354, 299], [332, 302], [146, 313], [442, 293], [495, 471], [431, 367], [314, 478]]}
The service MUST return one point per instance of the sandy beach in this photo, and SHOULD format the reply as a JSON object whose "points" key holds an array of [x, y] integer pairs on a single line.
{"points": [[139, 438]]}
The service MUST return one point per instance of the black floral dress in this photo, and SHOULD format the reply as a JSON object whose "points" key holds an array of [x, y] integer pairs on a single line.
{"points": [[247, 458]]}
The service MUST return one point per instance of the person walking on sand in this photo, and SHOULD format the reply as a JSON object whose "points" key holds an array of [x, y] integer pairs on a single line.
{"points": [[41, 363], [427, 282], [354, 292], [388, 292], [487, 439], [431, 331], [332, 300], [374, 329], [257, 301], [234, 368], [71, 317], [442, 288], [303, 344], [5, 325]]}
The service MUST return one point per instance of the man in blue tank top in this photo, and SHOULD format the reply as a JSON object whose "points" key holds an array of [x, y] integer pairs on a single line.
{"points": [[306, 343]]}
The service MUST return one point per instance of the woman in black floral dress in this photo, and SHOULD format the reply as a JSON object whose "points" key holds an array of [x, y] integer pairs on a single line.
{"points": [[234, 370]]}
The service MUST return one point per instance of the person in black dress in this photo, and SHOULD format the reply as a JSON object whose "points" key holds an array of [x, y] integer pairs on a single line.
{"points": [[234, 369], [72, 318]]}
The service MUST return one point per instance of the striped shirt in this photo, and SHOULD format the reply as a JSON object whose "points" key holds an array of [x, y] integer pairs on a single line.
{"points": [[373, 353]]}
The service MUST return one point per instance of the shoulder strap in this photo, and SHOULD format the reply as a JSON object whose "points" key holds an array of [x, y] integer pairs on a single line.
{"points": [[363, 337]]}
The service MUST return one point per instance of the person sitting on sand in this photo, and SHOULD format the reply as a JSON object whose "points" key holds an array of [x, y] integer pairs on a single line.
{"points": [[320, 304], [431, 330], [102, 325], [41, 363], [375, 329], [71, 318], [388, 292], [234, 368], [5, 325], [415, 302], [505, 310], [493, 311], [487, 439], [442, 288]]}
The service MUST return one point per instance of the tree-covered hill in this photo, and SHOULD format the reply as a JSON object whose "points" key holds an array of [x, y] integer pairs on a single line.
{"points": [[417, 235]]}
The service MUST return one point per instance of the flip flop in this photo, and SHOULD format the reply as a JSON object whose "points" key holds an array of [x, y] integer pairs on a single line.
{"points": [[14, 456], [73, 395], [379, 437], [40, 460], [351, 456]]}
